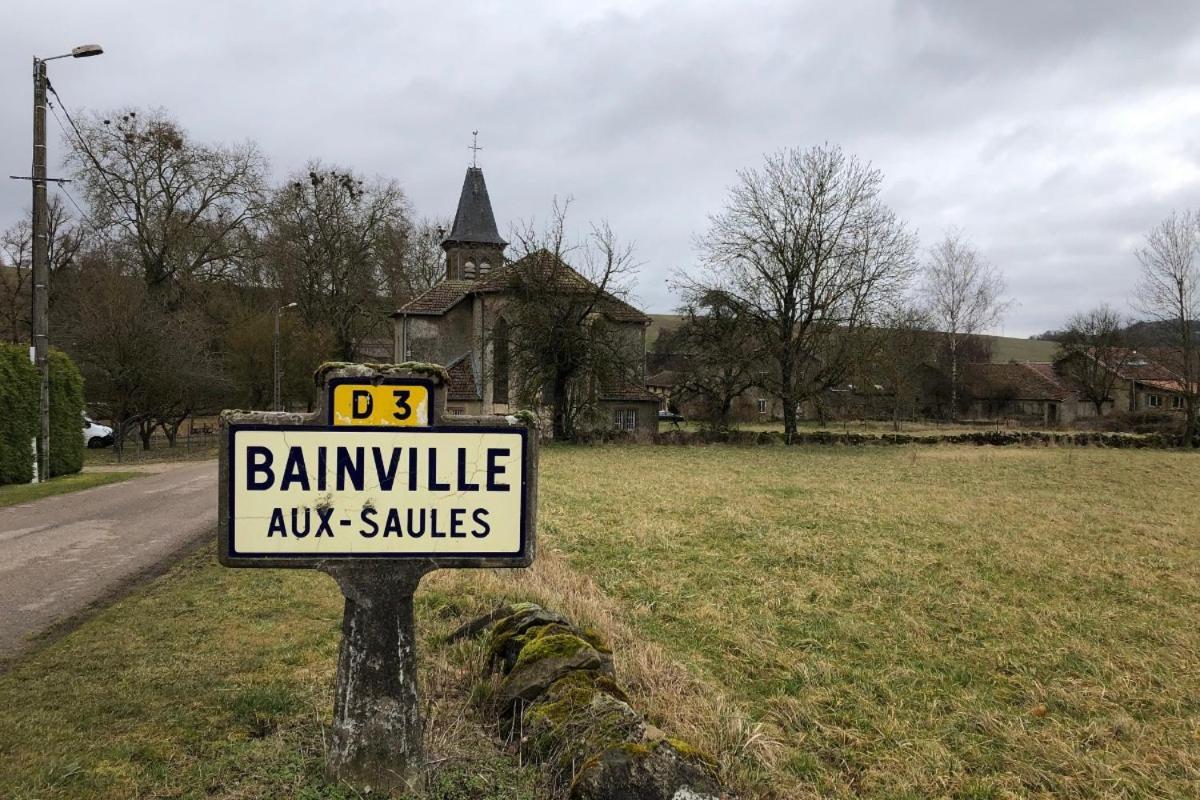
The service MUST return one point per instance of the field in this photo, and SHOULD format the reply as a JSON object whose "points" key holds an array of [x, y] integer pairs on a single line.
{"points": [[827, 622]]}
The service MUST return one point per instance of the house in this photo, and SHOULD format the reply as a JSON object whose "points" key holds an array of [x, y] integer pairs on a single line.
{"points": [[1033, 390], [1146, 380], [460, 322]]}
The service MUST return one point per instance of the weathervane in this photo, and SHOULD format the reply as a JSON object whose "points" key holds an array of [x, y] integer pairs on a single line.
{"points": [[474, 148]]}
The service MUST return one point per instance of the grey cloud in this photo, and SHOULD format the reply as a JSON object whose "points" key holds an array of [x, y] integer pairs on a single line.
{"points": [[1054, 133]]}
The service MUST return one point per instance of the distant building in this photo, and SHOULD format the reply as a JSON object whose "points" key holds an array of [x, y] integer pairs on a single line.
{"points": [[460, 322]]}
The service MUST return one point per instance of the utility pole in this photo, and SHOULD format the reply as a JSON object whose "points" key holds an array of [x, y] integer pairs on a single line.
{"points": [[276, 404], [41, 251], [41, 268]]}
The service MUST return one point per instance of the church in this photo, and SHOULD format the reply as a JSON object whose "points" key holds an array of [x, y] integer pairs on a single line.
{"points": [[460, 323]]}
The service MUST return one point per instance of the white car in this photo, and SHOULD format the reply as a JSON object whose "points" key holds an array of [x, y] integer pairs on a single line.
{"points": [[95, 434]]}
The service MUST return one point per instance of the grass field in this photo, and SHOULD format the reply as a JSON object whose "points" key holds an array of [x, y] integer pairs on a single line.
{"points": [[14, 494], [827, 622]]}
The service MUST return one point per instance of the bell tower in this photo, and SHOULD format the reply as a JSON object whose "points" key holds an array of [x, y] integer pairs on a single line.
{"points": [[473, 247]]}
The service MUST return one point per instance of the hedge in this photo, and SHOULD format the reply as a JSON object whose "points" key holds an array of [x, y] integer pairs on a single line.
{"points": [[18, 413], [66, 412]]}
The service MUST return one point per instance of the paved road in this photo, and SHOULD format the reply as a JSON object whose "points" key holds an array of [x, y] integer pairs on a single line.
{"points": [[61, 554]]}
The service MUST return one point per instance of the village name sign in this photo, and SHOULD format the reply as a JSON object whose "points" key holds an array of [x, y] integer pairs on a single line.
{"points": [[374, 490]]}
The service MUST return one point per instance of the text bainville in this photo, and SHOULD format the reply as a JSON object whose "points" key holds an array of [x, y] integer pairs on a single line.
{"points": [[347, 491]]}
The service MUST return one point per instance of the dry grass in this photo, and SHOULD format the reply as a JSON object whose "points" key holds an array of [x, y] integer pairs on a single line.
{"points": [[959, 622], [876, 622]]}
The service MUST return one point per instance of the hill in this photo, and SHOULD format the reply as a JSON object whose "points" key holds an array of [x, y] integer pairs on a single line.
{"points": [[1004, 348]]}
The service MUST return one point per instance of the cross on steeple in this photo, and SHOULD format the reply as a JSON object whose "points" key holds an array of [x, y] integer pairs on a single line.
{"points": [[474, 148]]}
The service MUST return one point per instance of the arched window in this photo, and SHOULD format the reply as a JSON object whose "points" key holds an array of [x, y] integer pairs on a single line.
{"points": [[500, 361], [484, 268], [469, 269]]}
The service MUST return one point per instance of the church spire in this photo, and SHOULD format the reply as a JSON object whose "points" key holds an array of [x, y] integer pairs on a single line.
{"points": [[473, 246]]}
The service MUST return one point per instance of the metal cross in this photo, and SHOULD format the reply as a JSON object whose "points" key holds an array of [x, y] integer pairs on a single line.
{"points": [[474, 148]]}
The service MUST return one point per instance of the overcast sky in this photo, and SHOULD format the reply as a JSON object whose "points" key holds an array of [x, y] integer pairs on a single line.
{"points": [[1053, 133]]}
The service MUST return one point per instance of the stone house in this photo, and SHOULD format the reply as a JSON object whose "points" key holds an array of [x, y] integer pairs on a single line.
{"points": [[1035, 391], [460, 322]]}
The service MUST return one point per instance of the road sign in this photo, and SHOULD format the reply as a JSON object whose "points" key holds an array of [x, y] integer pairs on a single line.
{"points": [[305, 492], [398, 402], [373, 490]]}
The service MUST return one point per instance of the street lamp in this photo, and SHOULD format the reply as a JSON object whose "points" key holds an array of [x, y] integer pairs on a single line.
{"points": [[278, 312], [41, 261]]}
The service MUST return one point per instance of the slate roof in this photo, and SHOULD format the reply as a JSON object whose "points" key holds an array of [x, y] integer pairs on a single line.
{"points": [[474, 222], [462, 384]]}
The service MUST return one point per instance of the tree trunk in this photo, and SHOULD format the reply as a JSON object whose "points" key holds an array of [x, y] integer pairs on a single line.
{"points": [[787, 397], [1189, 426], [953, 378], [146, 431], [563, 430]]}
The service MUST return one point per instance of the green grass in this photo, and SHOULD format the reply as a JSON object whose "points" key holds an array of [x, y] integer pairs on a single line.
{"points": [[827, 622], [15, 494]]}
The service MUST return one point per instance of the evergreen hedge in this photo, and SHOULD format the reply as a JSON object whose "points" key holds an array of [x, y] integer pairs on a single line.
{"points": [[66, 413], [18, 413]]}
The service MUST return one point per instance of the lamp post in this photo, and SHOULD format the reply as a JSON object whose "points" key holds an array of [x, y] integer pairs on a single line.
{"points": [[275, 405], [41, 261]]}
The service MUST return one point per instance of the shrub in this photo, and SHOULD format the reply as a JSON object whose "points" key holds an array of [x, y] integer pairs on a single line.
{"points": [[66, 411], [18, 413]]}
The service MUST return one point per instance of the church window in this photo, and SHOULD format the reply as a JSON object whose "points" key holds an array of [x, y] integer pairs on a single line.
{"points": [[469, 269], [500, 361]]}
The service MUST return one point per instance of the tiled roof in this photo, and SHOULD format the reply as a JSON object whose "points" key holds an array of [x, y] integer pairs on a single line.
{"points": [[1015, 380], [438, 299], [462, 380], [1157, 367], [629, 393], [446, 295], [565, 278]]}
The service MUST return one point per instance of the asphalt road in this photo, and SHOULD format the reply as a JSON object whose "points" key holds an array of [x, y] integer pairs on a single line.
{"points": [[61, 555]]}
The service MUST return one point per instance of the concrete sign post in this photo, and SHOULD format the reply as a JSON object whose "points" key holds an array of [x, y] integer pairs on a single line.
{"points": [[376, 491]]}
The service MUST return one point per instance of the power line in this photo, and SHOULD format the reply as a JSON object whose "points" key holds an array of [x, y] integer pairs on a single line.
{"points": [[84, 217], [82, 142]]}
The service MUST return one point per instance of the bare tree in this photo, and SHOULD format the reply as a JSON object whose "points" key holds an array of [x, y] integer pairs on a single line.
{"points": [[904, 347], [964, 294], [329, 238], [174, 209], [416, 262], [65, 242], [1092, 351], [721, 355], [562, 342], [1169, 292], [808, 248]]}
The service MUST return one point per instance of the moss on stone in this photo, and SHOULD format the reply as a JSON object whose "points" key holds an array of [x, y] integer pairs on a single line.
{"points": [[410, 367], [559, 645], [527, 417], [693, 754]]}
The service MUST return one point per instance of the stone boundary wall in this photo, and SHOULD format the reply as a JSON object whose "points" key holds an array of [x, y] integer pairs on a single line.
{"points": [[993, 438], [552, 689]]}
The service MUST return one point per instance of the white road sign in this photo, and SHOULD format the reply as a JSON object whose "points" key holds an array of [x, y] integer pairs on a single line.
{"points": [[313, 492]]}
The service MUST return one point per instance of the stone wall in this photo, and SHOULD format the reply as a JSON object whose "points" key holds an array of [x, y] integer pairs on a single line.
{"points": [[554, 692]]}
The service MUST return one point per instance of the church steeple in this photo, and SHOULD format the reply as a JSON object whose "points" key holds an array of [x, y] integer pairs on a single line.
{"points": [[474, 246]]}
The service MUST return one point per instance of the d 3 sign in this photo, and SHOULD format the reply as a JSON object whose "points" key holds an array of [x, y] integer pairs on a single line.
{"points": [[385, 404]]}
